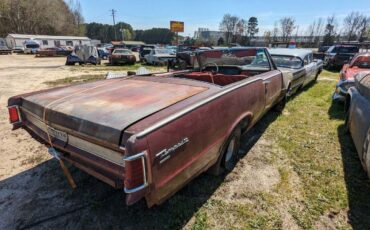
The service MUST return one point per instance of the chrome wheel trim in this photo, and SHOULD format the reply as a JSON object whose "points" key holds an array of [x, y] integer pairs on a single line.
{"points": [[367, 156], [230, 150]]}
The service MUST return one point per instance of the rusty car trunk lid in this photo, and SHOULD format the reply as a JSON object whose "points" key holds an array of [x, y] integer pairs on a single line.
{"points": [[103, 109]]}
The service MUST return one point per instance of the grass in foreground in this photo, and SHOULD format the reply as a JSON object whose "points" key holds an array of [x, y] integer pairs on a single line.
{"points": [[321, 180], [321, 183]]}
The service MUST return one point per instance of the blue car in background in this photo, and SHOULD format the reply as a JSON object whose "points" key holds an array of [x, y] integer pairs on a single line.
{"points": [[103, 53]]}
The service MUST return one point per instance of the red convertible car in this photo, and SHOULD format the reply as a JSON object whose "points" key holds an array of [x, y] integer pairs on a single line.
{"points": [[151, 134], [359, 63]]}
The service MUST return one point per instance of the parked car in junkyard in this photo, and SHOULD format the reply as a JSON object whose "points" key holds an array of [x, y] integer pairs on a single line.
{"points": [[31, 47], [5, 50], [145, 49], [159, 56], [320, 54], [338, 55], [122, 56], [359, 63], [84, 55], [358, 117], [54, 52], [18, 49], [103, 53], [298, 67], [152, 134], [185, 56]]}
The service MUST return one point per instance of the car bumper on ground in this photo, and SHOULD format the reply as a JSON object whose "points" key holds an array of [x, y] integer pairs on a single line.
{"points": [[341, 90]]}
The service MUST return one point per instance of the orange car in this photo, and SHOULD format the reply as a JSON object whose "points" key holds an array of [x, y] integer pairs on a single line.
{"points": [[359, 63]]}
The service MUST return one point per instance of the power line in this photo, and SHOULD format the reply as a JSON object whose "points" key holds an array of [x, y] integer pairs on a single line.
{"points": [[114, 24]]}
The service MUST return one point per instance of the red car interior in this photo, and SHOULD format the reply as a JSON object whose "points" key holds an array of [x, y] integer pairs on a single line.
{"points": [[217, 78]]}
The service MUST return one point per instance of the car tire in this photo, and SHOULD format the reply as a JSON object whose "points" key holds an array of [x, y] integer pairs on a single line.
{"points": [[279, 107], [317, 76], [230, 150], [366, 155], [347, 108]]}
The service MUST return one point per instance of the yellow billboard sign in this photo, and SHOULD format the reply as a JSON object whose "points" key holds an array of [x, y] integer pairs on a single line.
{"points": [[177, 26]]}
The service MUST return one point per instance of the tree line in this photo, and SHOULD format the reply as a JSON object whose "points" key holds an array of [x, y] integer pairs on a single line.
{"points": [[238, 30], [52, 17], [356, 27]]}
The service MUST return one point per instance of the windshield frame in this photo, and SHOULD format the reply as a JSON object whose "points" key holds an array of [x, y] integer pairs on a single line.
{"points": [[201, 64], [127, 52], [156, 51], [289, 67]]}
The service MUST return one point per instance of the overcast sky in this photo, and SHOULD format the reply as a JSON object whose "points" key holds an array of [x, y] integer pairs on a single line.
{"points": [[145, 14]]}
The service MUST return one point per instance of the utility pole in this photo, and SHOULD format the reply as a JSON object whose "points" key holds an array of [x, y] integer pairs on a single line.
{"points": [[114, 24]]}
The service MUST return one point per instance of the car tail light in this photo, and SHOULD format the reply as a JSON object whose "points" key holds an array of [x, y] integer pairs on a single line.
{"points": [[135, 173], [14, 116]]}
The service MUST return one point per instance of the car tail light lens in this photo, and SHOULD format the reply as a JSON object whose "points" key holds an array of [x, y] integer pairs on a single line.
{"points": [[135, 173], [14, 116]]}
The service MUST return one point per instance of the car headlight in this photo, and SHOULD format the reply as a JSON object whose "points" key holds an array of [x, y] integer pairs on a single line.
{"points": [[345, 85]]}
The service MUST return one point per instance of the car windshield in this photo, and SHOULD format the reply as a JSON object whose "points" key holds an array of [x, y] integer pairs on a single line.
{"points": [[162, 51], [343, 49], [250, 57], [287, 61], [32, 46], [362, 62], [121, 52]]}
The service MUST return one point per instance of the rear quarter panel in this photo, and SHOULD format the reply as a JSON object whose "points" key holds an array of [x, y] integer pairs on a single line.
{"points": [[206, 129]]}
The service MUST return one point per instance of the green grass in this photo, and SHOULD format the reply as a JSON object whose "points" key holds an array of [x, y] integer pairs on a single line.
{"points": [[318, 168], [319, 174]]}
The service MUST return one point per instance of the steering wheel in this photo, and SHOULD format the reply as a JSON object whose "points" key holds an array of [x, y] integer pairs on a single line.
{"points": [[213, 63]]}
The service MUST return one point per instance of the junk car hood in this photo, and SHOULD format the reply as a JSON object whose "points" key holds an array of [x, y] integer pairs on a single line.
{"points": [[103, 109], [351, 72]]}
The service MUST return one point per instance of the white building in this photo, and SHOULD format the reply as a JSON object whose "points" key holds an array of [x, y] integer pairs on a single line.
{"points": [[46, 41]]}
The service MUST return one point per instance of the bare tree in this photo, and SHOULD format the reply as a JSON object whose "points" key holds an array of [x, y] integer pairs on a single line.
{"points": [[240, 30], [364, 28], [330, 30], [228, 25], [275, 32], [267, 37], [352, 25], [315, 31], [76, 9], [37, 17], [287, 26]]}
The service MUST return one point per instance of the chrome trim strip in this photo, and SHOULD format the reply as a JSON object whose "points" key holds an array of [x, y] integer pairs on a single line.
{"points": [[96, 150], [193, 107], [141, 155]]}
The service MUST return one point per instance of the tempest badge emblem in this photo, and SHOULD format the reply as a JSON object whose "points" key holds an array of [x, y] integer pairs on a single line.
{"points": [[166, 154]]}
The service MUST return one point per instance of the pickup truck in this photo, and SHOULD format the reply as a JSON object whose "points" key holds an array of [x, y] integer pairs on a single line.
{"points": [[150, 135], [338, 55]]}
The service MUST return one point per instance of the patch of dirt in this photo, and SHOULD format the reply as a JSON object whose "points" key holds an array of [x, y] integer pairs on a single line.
{"points": [[331, 220], [251, 175]]}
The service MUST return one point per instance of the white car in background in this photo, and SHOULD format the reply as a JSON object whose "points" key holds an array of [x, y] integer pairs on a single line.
{"points": [[298, 66], [159, 56]]}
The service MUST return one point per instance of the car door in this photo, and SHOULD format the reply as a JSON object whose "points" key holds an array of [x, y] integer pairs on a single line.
{"points": [[309, 66], [273, 82]]}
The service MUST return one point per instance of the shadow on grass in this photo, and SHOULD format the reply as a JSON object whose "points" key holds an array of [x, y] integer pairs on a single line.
{"points": [[356, 180], [41, 198]]}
